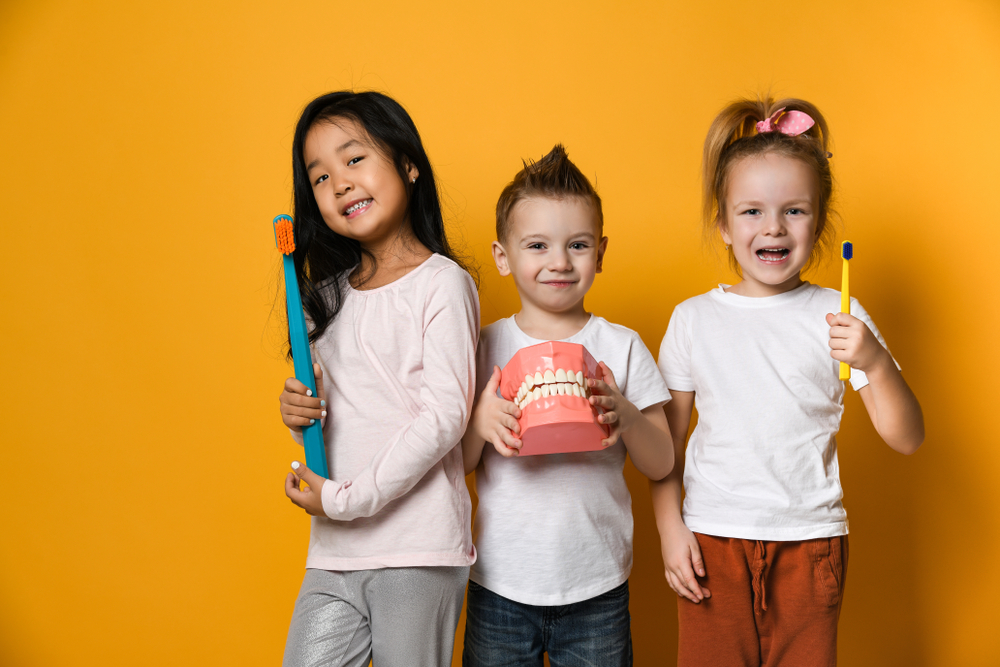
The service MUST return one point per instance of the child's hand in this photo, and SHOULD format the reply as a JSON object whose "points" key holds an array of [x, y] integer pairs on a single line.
{"points": [[619, 412], [681, 560], [853, 343], [310, 498], [298, 406], [495, 419]]}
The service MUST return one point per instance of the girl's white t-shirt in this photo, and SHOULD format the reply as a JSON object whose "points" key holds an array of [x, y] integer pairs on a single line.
{"points": [[556, 529], [761, 463]]}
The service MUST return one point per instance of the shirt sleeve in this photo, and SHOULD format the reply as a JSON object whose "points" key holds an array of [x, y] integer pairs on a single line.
{"points": [[675, 354], [644, 387], [450, 331], [858, 378]]}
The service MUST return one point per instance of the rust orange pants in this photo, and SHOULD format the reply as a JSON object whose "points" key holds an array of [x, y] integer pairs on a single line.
{"points": [[773, 603]]}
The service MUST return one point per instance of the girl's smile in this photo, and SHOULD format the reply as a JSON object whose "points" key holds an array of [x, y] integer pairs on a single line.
{"points": [[358, 190], [770, 222]]}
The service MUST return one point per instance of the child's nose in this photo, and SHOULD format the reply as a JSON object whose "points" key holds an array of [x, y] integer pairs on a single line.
{"points": [[773, 225], [559, 261]]}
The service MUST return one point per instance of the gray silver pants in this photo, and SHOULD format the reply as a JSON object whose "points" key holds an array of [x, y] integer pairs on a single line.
{"points": [[396, 617]]}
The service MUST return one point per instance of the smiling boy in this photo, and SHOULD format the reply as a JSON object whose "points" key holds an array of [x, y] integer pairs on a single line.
{"points": [[554, 532]]}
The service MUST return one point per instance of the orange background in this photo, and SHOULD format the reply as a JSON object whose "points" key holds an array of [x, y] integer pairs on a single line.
{"points": [[145, 149]]}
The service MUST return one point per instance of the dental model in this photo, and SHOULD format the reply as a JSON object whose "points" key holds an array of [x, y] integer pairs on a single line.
{"points": [[548, 382]]}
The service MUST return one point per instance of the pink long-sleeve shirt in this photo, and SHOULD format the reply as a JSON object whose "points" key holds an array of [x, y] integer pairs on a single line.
{"points": [[399, 374]]}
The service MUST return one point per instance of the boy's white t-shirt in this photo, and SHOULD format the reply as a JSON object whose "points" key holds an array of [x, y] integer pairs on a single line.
{"points": [[557, 529], [762, 461]]}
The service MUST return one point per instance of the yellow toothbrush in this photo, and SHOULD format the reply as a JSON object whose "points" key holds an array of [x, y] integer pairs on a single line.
{"points": [[847, 252]]}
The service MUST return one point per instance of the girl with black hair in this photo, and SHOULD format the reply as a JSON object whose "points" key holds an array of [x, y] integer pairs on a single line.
{"points": [[394, 320]]}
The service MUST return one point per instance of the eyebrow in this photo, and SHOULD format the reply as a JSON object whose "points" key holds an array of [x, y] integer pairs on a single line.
{"points": [[754, 202], [340, 149]]}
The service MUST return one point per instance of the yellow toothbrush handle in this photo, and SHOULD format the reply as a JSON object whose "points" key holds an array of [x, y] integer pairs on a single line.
{"points": [[845, 307]]}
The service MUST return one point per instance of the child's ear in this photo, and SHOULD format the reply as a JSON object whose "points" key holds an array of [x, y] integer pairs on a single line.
{"points": [[602, 247], [500, 258], [724, 231], [412, 173]]}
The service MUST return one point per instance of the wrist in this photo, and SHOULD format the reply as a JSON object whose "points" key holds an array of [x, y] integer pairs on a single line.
{"points": [[882, 365]]}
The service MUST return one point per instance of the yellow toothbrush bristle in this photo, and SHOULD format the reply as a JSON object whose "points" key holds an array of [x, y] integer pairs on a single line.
{"points": [[285, 235]]}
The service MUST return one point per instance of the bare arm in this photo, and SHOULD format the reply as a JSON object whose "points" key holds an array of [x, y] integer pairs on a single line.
{"points": [[645, 432], [892, 407], [679, 547]]}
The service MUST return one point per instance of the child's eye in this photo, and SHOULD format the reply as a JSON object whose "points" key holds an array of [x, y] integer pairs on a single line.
{"points": [[795, 211], [579, 245], [321, 179], [536, 246], [752, 211], [354, 160]]}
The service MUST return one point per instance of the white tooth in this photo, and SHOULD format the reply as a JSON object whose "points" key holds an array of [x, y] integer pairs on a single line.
{"points": [[569, 388], [530, 381], [537, 394], [539, 379], [522, 403], [561, 388], [520, 393], [545, 391], [549, 377], [576, 390], [560, 375], [579, 378]]}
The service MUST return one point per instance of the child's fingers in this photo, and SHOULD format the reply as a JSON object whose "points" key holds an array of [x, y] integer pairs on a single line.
{"points": [[293, 386], [609, 417], [511, 408], [600, 386], [491, 387], [608, 376], [507, 452], [613, 436], [676, 582], [318, 373], [510, 422], [697, 563], [606, 402], [510, 439]]}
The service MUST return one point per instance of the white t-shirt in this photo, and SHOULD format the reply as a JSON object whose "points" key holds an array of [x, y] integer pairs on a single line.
{"points": [[557, 529], [762, 461]]}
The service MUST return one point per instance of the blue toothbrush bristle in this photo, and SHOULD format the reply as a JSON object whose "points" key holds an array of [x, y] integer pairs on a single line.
{"points": [[848, 250]]}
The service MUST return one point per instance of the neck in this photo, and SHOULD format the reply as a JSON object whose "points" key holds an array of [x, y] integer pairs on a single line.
{"points": [[389, 259], [547, 325], [752, 288]]}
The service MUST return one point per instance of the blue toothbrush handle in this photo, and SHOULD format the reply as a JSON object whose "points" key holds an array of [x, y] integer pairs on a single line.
{"points": [[312, 435]]}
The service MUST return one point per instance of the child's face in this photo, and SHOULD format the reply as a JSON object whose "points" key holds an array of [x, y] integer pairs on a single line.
{"points": [[771, 213], [553, 251], [358, 190]]}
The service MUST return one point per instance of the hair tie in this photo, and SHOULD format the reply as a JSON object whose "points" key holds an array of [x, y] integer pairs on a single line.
{"points": [[792, 123]]}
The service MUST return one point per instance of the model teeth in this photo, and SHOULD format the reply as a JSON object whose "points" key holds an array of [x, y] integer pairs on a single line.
{"points": [[358, 206], [562, 382]]}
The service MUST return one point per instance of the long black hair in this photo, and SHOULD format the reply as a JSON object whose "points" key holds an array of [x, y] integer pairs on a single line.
{"points": [[320, 253]]}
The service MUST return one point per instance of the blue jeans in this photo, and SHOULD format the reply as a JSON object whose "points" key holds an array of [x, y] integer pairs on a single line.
{"points": [[503, 633]]}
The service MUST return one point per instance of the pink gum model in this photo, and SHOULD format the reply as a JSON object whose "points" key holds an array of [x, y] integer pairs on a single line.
{"points": [[548, 382]]}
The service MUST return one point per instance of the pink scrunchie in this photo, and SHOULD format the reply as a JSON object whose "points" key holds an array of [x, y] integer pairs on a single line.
{"points": [[792, 123]]}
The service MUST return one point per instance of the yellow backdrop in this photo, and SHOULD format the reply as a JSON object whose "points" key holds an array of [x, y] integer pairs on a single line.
{"points": [[145, 148]]}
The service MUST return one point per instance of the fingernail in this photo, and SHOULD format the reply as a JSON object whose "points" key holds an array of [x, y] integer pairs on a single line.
{"points": [[295, 465], [309, 392], [324, 414], [312, 421], [322, 404]]}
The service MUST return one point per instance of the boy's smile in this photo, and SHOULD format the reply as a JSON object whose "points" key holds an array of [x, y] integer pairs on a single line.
{"points": [[554, 252]]}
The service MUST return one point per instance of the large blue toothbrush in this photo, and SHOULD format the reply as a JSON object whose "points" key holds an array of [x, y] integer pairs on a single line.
{"points": [[312, 435]]}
